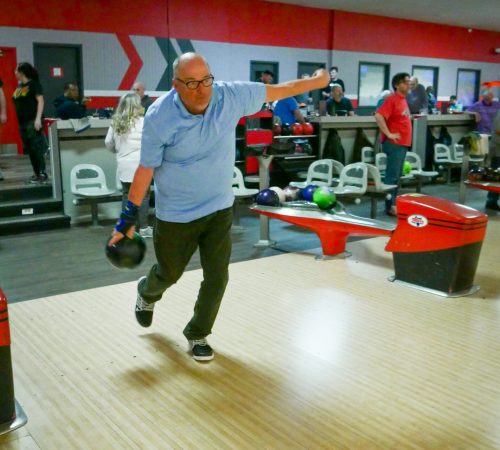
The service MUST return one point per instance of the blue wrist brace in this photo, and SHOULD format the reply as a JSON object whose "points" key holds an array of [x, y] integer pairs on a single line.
{"points": [[128, 218]]}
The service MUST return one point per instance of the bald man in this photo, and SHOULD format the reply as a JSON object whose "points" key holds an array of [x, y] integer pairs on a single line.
{"points": [[140, 89], [188, 146], [485, 111], [417, 97]]}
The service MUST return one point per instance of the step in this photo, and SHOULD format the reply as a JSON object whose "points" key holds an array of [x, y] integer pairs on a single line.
{"points": [[30, 207], [28, 192], [38, 222]]}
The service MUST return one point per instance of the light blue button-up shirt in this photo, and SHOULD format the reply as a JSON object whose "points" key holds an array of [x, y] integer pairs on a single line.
{"points": [[194, 155]]}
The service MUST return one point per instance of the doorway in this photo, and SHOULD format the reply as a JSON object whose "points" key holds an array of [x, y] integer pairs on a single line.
{"points": [[308, 68], [10, 140], [257, 67], [57, 64]]}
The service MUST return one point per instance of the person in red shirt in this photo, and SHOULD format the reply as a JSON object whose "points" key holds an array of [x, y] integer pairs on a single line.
{"points": [[394, 120]]}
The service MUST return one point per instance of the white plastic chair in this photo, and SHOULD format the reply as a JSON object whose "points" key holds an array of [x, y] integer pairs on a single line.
{"points": [[353, 181], [240, 192], [417, 171], [322, 173], [376, 188], [458, 154], [88, 182], [381, 164], [368, 155], [444, 160]]}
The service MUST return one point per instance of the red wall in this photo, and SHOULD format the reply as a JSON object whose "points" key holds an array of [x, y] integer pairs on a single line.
{"points": [[260, 23], [376, 34], [139, 17], [251, 22]]}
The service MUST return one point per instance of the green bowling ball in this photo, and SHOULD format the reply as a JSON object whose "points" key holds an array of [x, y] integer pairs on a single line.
{"points": [[407, 168], [324, 197]]}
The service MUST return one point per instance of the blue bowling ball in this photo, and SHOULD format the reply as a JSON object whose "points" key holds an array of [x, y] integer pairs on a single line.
{"points": [[268, 197], [308, 192]]}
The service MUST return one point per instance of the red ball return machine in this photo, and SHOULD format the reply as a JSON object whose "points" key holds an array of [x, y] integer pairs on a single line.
{"points": [[435, 244]]}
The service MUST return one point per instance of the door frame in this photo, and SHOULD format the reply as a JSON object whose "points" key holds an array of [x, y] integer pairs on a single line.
{"points": [[78, 48]]}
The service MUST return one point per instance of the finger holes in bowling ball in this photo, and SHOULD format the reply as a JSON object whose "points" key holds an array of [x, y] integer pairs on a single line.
{"points": [[126, 253]]}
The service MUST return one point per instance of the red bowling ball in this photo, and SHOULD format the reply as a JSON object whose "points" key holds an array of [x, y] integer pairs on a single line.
{"points": [[296, 129], [277, 129], [307, 128]]}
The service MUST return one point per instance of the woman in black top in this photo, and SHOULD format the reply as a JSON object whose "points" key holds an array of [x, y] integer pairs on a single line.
{"points": [[28, 100]]}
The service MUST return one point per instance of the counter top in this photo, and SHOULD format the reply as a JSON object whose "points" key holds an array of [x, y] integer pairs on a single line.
{"points": [[94, 123]]}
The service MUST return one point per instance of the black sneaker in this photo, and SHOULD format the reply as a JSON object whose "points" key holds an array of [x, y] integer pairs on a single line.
{"points": [[493, 206], [43, 177], [143, 310], [201, 350], [34, 179]]}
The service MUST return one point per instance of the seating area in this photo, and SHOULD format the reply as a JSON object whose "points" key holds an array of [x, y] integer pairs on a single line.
{"points": [[323, 172], [444, 160], [241, 192], [89, 186], [417, 172], [376, 189]]}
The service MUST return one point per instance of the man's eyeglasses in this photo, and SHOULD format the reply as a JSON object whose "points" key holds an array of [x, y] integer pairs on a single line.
{"points": [[193, 84]]}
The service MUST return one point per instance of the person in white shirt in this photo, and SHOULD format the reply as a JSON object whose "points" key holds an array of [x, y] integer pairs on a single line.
{"points": [[124, 137]]}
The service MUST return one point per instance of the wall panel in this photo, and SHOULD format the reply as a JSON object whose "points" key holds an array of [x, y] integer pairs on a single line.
{"points": [[139, 40]]}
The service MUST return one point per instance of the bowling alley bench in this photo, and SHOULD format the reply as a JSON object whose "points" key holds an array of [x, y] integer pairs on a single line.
{"points": [[69, 149]]}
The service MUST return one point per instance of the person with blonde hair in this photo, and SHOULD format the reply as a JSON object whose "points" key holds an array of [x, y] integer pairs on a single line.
{"points": [[124, 137]]}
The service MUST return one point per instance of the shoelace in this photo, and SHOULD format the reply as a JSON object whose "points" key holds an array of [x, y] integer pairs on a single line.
{"points": [[141, 305], [203, 342]]}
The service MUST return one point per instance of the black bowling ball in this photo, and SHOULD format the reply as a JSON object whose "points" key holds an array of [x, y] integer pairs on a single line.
{"points": [[286, 130], [489, 174], [476, 174], [126, 253]]}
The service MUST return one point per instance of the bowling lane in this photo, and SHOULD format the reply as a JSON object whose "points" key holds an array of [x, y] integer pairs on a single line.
{"points": [[309, 354]]}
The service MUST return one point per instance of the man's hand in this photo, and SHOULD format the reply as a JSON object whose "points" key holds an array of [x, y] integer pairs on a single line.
{"points": [[319, 80], [3, 118], [322, 74], [126, 223], [117, 236], [393, 136], [38, 124]]}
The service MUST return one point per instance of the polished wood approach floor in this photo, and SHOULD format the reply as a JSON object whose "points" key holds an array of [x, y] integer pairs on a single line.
{"points": [[309, 355]]}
